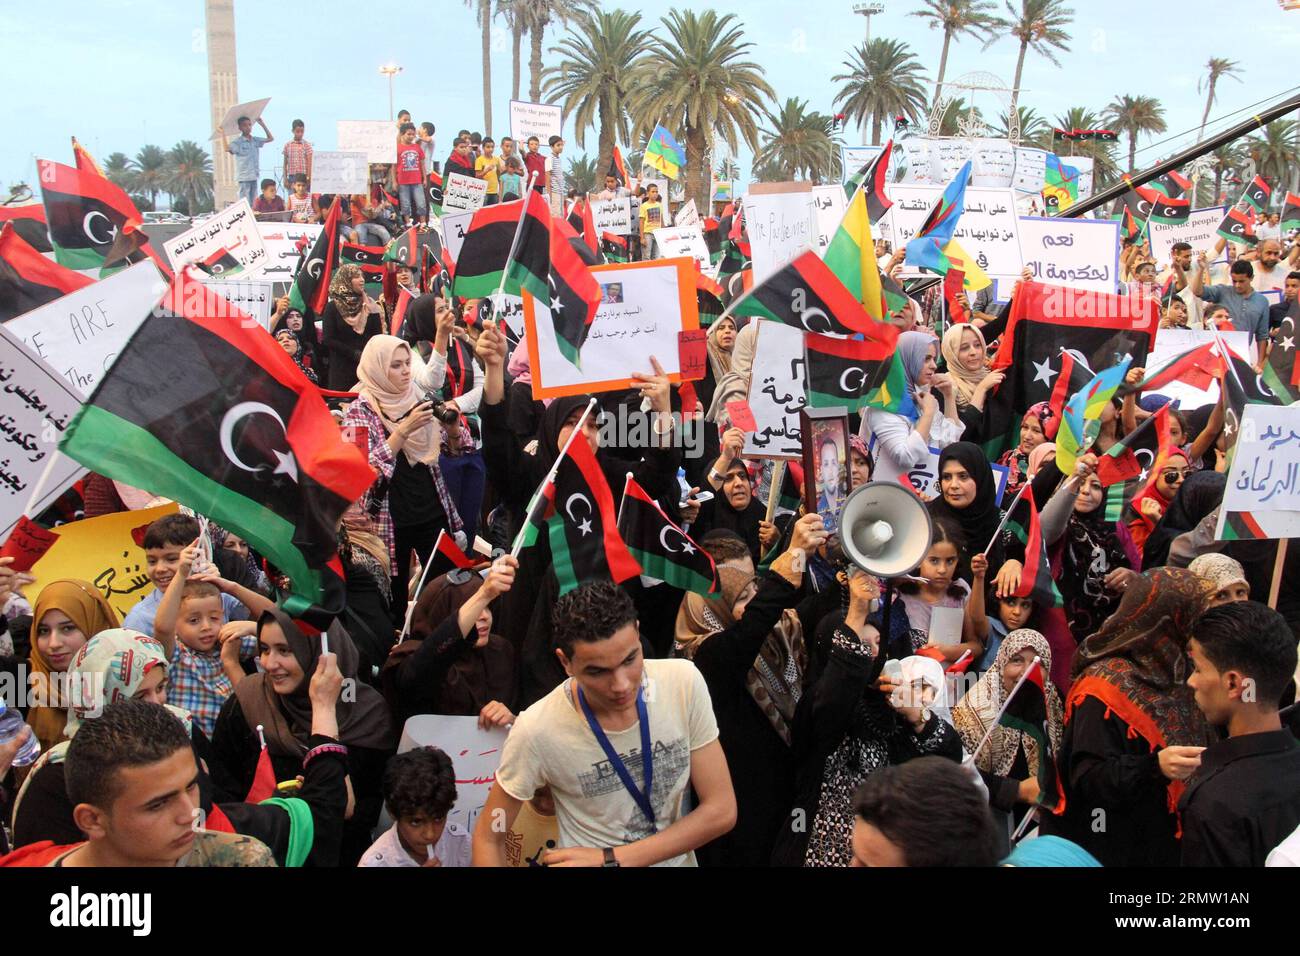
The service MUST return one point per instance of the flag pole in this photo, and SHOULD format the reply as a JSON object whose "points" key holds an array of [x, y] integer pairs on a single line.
{"points": [[40, 483], [1031, 816], [550, 475], [1003, 523], [514, 245], [419, 586], [618, 520], [774, 492], [1003, 709]]}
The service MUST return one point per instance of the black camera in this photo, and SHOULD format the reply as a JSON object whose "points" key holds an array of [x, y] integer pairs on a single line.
{"points": [[444, 413]]}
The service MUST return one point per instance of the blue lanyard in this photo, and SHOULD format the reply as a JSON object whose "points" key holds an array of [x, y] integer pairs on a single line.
{"points": [[642, 798]]}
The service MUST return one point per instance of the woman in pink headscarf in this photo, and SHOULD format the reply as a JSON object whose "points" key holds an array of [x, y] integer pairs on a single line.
{"points": [[1038, 427]]}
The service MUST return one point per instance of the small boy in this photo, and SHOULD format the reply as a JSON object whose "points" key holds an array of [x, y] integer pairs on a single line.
{"points": [[205, 651], [535, 164], [419, 792], [164, 540], [410, 178], [427, 144], [268, 201], [488, 168], [300, 204]]}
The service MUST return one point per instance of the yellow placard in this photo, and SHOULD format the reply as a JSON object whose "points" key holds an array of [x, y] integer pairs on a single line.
{"points": [[102, 551]]}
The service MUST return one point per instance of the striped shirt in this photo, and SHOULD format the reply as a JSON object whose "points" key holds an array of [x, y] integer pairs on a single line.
{"points": [[297, 158]]}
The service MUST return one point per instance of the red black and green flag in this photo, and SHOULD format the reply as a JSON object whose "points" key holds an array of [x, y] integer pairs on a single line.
{"points": [[222, 264], [485, 256], [805, 294], [1164, 209], [1132, 457], [93, 224], [29, 280], [1239, 226], [370, 260], [872, 177], [311, 285], [29, 222], [613, 247], [406, 249], [1257, 193], [663, 550], [1282, 374], [1027, 712], [573, 297], [231, 429], [433, 186], [1290, 213], [398, 318], [616, 167], [1173, 184], [1196, 367], [896, 297], [856, 373], [708, 298], [575, 510], [1036, 578], [446, 556], [1130, 227], [583, 224]]}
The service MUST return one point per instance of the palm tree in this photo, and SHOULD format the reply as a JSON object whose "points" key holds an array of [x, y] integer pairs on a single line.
{"points": [[483, 16], [1133, 116], [516, 20], [189, 175], [1217, 68], [799, 141], [150, 171], [592, 79], [538, 15], [1038, 25], [582, 174], [955, 17], [1034, 130], [117, 170], [1275, 152], [884, 80], [1228, 159], [728, 169], [1102, 153], [699, 84]]}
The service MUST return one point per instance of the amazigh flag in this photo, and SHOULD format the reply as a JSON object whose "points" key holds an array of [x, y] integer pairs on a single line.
{"points": [[232, 430], [1133, 456], [1239, 226], [926, 250], [851, 255], [1164, 210], [1290, 213], [1172, 184], [29, 222], [572, 298], [1060, 184], [575, 510], [616, 168], [1027, 712], [85, 162], [93, 224], [29, 280], [1258, 193], [857, 373], [1196, 367], [663, 550], [871, 179], [664, 153], [806, 295], [1036, 578], [311, 284], [483, 257], [1081, 423], [613, 247]]}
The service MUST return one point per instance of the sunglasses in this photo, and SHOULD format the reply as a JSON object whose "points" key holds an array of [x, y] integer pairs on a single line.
{"points": [[1174, 476]]}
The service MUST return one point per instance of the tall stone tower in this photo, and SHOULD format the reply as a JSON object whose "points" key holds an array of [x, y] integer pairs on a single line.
{"points": [[223, 90]]}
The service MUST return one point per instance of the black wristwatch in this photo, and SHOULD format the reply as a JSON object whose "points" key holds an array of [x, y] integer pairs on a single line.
{"points": [[610, 859]]}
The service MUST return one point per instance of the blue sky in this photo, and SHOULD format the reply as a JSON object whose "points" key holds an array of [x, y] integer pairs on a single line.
{"points": [[122, 73]]}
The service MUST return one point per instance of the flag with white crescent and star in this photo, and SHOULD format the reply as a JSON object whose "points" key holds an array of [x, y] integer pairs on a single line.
{"points": [[805, 294], [29, 280], [1282, 374], [202, 406], [664, 550], [575, 510], [857, 373], [311, 284]]}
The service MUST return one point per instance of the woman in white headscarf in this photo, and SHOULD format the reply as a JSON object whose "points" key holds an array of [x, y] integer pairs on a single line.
{"points": [[734, 383]]}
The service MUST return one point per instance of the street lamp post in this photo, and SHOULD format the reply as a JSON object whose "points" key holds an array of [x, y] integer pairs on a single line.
{"points": [[867, 11], [390, 70]]}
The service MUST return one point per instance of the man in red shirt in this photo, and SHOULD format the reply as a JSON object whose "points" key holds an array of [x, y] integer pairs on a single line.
{"points": [[535, 165]]}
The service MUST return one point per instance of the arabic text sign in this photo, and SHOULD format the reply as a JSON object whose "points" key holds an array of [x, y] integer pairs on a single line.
{"points": [[1265, 471], [475, 755], [464, 193], [1031, 169], [226, 243], [988, 228], [779, 219], [829, 206], [535, 119], [688, 215], [376, 138], [612, 216], [252, 297], [252, 109], [1081, 253], [103, 552], [340, 173], [79, 335], [855, 157], [683, 241], [644, 306], [1200, 231], [454, 228], [777, 389], [36, 406], [281, 240], [1172, 342]]}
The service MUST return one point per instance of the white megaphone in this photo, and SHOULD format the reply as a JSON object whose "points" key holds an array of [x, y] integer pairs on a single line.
{"points": [[884, 529]]}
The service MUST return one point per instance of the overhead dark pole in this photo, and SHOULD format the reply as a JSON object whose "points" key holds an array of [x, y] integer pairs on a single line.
{"points": [[1262, 118]]}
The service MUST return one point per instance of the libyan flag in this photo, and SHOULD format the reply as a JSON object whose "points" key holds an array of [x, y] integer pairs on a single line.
{"points": [[856, 373], [805, 294], [29, 280], [574, 296], [1027, 712], [207, 409], [485, 255], [311, 284], [664, 550], [574, 508], [1036, 579], [91, 220]]}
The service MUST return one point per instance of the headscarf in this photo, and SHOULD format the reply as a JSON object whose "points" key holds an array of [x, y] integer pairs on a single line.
{"points": [[1049, 851], [743, 523], [519, 368], [552, 422], [980, 519], [349, 302], [392, 403], [219, 535], [1196, 497], [964, 381], [87, 609], [110, 667], [735, 384], [1141, 525], [978, 710], [1219, 570], [775, 678], [719, 358], [286, 718], [1038, 456], [1089, 550], [930, 674]]}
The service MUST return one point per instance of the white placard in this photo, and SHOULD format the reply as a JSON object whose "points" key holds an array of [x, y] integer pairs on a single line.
{"points": [[855, 157], [640, 316], [1084, 165], [1031, 170], [682, 241], [463, 193], [535, 119], [251, 296], [778, 388], [340, 173], [281, 240], [988, 228], [475, 755], [1171, 342], [80, 334], [253, 109], [1265, 473], [913, 160], [511, 312], [1082, 253], [37, 407], [688, 215], [454, 228], [1201, 231], [829, 206], [376, 138], [780, 226], [613, 216], [227, 243], [993, 161]]}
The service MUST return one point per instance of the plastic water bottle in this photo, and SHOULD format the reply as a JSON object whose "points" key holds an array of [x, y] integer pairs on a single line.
{"points": [[683, 484], [11, 725]]}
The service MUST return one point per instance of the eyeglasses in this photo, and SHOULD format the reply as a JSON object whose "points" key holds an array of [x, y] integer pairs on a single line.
{"points": [[1173, 475]]}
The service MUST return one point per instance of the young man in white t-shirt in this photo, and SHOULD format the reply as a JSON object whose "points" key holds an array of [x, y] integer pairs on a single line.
{"points": [[587, 741]]}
